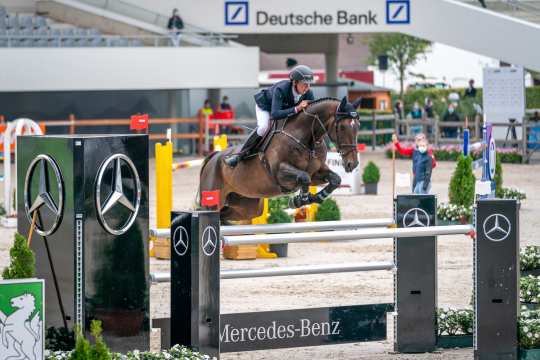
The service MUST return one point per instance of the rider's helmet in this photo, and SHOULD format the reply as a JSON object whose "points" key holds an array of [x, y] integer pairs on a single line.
{"points": [[302, 73]]}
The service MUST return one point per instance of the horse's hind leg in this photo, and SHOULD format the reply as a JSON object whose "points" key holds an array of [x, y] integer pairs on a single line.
{"points": [[241, 208]]}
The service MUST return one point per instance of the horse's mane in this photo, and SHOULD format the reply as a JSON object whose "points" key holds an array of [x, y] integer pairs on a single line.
{"points": [[324, 99]]}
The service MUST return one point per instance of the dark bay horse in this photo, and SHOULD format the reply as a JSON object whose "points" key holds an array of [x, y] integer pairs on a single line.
{"points": [[292, 160]]}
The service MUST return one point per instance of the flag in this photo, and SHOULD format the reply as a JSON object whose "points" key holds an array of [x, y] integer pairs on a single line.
{"points": [[210, 198], [139, 122]]}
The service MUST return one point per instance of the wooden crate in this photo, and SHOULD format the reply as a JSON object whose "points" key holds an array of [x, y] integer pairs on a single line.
{"points": [[240, 252], [162, 248]]}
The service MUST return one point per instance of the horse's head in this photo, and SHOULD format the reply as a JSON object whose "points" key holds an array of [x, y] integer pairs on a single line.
{"points": [[343, 131], [25, 301]]}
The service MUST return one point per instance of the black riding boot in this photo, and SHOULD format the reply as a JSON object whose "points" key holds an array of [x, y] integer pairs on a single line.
{"points": [[233, 159]]}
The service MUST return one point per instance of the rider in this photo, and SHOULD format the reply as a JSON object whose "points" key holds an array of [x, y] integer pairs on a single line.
{"points": [[283, 99]]}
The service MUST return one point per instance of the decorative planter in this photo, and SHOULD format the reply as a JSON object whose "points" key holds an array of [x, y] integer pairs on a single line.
{"points": [[370, 189], [529, 354], [454, 341], [533, 272]]}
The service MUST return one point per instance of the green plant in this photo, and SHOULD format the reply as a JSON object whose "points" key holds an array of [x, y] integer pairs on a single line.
{"points": [[177, 352], [529, 289], [461, 187], [371, 173], [99, 350], [512, 193], [23, 261], [83, 348], [455, 322], [529, 258], [328, 211], [278, 216], [281, 202], [59, 339], [498, 178]]}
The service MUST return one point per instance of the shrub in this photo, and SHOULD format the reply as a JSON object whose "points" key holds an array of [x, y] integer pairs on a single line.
{"points": [[529, 289], [498, 178], [450, 212], [328, 211], [22, 265], [177, 352], [83, 348], [461, 187], [59, 339], [512, 193], [371, 173], [529, 329], [99, 350], [276, 210]]}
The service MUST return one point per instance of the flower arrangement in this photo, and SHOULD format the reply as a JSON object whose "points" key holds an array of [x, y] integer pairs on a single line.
{"points": [[455, 322], [529, 289], [529, 258], [529, 329], [451, 212]]}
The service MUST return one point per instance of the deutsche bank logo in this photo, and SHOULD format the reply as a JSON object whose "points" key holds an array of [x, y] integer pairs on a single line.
{"points": [[236, 13], [398, 12]]}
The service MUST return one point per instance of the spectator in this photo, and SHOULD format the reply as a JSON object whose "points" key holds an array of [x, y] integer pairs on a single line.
{"points": [[450, 115], [422, 155], [206, 109], [416, 114], [428, 109], [483, 3], [225, 105], [398, 109], [471, 90], [535, 117], [175, 26]]}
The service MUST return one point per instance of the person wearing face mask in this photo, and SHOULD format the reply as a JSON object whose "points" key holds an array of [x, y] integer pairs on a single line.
{"points": [[416, 114], [450, 115], [283, 99], [422, 165], [414, 151]]}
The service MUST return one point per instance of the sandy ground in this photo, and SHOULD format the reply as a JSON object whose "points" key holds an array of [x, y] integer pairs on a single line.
{"points": [[454, 255]]}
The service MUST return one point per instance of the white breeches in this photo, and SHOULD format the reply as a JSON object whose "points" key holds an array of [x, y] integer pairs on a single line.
{"points": [[263, 120]]}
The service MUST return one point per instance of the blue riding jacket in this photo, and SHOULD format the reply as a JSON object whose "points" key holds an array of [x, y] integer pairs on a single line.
{"points": [[278, 99], [422, 165]]}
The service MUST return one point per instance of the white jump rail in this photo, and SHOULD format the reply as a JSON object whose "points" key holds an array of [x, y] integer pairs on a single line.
{"points": [[290, 228], [161, 277], [362, 234]]}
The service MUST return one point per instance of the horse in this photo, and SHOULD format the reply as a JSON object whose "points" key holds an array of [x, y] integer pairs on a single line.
{"points": [[290, 158]]}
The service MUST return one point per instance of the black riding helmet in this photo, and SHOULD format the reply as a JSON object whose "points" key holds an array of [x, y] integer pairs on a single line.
{"points": [[302, 73]]}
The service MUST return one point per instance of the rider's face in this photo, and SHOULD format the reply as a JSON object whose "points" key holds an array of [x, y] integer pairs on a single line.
{"points": [[301, 87]]}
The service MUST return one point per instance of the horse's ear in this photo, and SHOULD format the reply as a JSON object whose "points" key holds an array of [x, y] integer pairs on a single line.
{"points": [[343, 103], [357, 102]]}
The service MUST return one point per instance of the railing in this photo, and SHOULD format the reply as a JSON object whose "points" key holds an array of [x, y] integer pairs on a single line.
{"points": [[148, 16], [373, 119]]}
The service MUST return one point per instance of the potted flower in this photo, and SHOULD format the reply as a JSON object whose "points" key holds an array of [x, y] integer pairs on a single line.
{"points": [[529, 291], [529, 260], [455, 328], [529, 334], [371, 177], [450, 214]]}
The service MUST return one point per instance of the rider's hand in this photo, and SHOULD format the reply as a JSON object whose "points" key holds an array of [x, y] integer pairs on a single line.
{"points": [[303, 104], [394, 138]]}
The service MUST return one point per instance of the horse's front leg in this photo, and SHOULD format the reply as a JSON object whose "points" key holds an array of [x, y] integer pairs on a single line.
{"points": [[291, 177], [324, 176]]}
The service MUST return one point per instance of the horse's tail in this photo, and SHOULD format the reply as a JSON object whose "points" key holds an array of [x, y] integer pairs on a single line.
{"points": [[198, 194]]}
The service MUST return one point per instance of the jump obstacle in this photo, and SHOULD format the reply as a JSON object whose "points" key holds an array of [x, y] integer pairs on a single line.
{"points": [[195, 282]]}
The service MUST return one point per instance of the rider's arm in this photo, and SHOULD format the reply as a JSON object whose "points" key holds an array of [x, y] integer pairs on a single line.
{"points": [[405, 151], [277, 102]]}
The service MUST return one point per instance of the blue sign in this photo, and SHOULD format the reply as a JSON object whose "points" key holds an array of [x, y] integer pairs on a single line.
{"points": [[398, 12], [236, 13]]}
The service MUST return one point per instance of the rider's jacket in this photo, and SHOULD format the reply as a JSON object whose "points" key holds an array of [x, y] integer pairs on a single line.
{"points": [[278, 99]]}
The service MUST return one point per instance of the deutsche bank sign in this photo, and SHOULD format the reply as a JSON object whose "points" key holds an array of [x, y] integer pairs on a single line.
{"points": [[255, 15]]}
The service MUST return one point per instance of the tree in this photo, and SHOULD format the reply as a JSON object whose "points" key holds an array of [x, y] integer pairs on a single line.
{"points": [[22, 265], [402, 51], [461, 187]]}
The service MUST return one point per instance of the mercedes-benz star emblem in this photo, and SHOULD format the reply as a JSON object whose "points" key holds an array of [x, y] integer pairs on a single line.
{"points": [[416, 217], [44, 197], [209, 241], [497, 227], [117, 195], [180, 241]]}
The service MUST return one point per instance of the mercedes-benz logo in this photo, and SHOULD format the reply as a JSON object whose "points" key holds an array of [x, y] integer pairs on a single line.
{"points": [[416, 217], [497, 227], [180, 241], [117, 195], [209, 241], [44, 196]]}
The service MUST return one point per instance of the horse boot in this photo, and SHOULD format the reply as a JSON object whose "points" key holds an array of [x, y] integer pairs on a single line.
{"points": [[252, 140]]}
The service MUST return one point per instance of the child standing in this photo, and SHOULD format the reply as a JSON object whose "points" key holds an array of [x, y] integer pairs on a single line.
{"points": [[423, 163]]}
